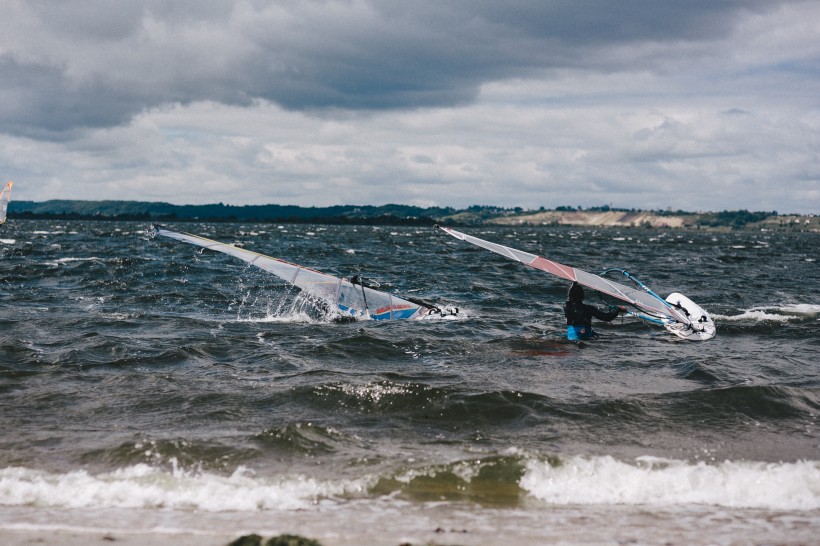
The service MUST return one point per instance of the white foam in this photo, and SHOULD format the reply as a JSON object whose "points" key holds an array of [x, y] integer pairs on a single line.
{"points": [[295, 317], [801, 309], [63, 261], [575, 480], [143, 486], [657, 482], [8, 241], [783, 313], [756, 315]]}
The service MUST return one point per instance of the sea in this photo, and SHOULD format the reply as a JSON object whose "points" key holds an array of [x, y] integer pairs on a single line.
{"points": [[147, 385]]}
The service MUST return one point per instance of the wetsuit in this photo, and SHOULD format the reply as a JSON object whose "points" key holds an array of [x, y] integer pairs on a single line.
{"points": [[579, 319]]}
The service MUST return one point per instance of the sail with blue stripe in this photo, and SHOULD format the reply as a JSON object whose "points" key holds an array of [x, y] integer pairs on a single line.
{"points": [[351, 300]]}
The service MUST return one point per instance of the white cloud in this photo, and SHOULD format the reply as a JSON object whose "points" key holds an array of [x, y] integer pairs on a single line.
{"points": [[429, 104]]}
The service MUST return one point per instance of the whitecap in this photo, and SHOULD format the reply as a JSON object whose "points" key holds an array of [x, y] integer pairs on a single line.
{"points": [[662, 482], [292, 317], [801, 309], [63, 261], [782, 313], [757, 315], [144, 486]]}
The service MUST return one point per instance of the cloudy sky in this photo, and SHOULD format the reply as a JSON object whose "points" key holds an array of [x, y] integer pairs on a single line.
{"points": [[688, 104]]}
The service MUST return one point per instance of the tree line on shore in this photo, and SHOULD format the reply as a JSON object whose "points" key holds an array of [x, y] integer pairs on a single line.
{"points": [[340, 214]]}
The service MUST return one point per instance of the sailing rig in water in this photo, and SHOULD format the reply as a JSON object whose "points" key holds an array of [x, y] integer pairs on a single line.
{"points": [[5, 197], [677, 313], [355, 298]]}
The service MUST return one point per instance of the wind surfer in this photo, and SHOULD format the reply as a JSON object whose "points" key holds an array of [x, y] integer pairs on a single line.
{"points": [[579, 314]]}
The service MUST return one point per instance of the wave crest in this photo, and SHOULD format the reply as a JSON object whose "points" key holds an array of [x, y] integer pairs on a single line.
{"points": [[652, 481], [783, 313]]}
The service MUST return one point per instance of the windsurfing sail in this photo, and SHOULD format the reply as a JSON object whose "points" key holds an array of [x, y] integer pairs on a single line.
{"points": [[352, 299], [5, 197], [662, 311]]}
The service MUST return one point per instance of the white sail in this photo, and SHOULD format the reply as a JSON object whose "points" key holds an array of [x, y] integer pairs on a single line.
{"points": [[5, 197], [354, 300], [641, 299]]}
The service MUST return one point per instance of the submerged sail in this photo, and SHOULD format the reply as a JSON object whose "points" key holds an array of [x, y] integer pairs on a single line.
{"points": [[355, 300], [5, 197], [649, 303]]}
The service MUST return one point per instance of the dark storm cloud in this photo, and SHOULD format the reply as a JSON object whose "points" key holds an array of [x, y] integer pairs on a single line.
{"points": [[84, 64], [37, 101]]}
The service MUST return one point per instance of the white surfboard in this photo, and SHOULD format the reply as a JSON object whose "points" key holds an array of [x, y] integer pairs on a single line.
{"points": [[702, 326]]}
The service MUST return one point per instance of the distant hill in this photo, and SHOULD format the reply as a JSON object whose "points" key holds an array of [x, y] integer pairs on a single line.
{"points": [[604, 216]]}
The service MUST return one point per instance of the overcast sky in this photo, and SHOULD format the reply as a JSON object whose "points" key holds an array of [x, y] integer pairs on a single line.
{"points": [[688, 104]]}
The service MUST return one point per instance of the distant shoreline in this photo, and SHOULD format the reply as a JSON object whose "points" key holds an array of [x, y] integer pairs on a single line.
{"points": [[405, 215]]}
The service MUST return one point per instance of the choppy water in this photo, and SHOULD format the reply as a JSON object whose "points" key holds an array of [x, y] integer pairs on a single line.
{"points": [[142, 374]]}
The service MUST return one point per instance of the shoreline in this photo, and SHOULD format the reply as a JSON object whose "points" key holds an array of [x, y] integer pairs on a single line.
{"points": [[783, 224], [390, 522], [407, 215]]}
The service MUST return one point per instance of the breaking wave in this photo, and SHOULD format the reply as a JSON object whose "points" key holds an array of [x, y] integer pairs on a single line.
{"points": [[571, 480], [143, 486], [784, 313], [658, 482]]}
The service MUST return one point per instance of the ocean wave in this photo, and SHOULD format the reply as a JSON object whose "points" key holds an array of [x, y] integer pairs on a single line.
{"points": [[604, 480], [303, 439], [558, 480], [801, 309], [288, 317], [144, 486], [662, 482], [71, 260], [378, 398], [783, 313]]}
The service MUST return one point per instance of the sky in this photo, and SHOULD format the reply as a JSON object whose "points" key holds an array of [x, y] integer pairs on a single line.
{"points": [[692, 105]]}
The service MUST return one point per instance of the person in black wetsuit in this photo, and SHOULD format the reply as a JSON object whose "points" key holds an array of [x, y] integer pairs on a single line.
{"points": [[579, 314]]}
